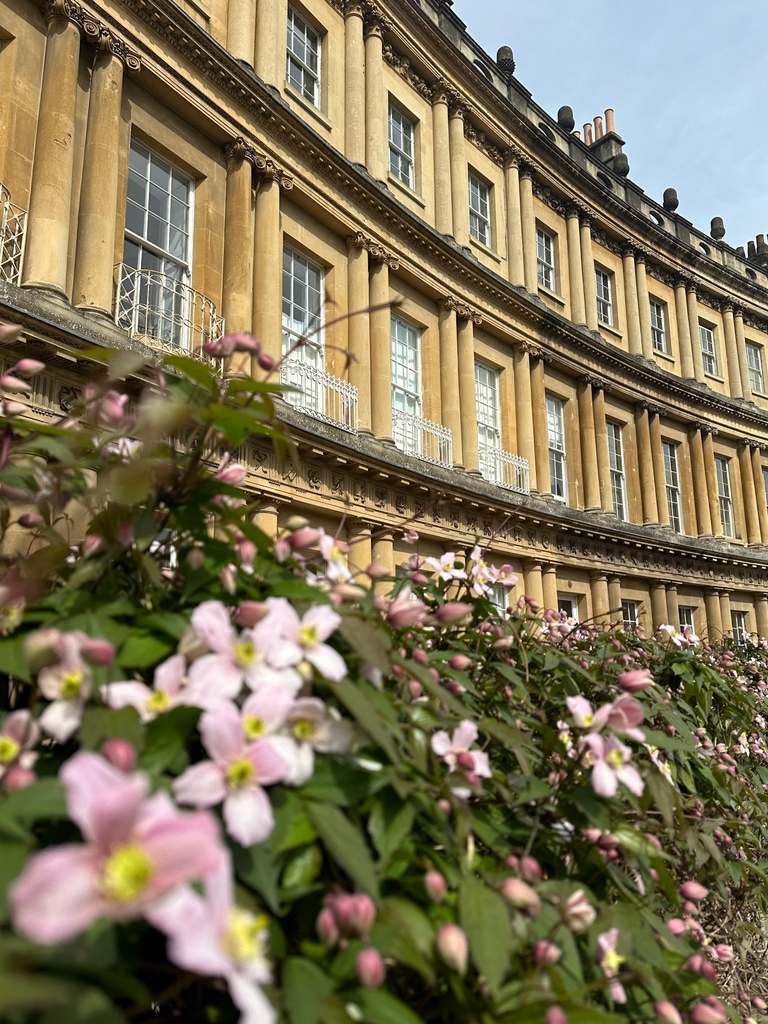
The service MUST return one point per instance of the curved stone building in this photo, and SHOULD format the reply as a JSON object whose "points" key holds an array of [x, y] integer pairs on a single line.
{"points": [[542, 356]]}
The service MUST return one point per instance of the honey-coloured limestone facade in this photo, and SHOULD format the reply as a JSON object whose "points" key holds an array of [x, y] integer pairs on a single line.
{"points": [[542, 357]]}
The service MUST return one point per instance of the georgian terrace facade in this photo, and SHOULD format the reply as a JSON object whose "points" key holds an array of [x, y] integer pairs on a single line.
{"points": [[543, 357]]}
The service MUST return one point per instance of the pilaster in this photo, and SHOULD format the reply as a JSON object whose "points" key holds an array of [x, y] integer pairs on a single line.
{"points": [[515, 266]]}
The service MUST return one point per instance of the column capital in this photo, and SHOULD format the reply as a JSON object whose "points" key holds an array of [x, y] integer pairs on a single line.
{"points": [[526, 169], [651, 407], [597, 383], [72, 11], [629, 247], [513, 156], [359, 241], [727, 306], [353, 8], [379, 254], [376, 21], [239, 149], [705, 428], [444, 92], [535, 352], [738, 311], [107, 42], [574, 208], [596, 575], [691, 287], [749, 442], [462, 309], [267, 169]]}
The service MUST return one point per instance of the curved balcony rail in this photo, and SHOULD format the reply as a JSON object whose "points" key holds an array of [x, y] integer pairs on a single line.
{"points": [[13, 229], [506, 470], [165, 312], [422, 438], [320, 394]]}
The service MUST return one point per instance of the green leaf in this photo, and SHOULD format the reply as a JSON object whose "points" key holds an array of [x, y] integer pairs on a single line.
{"points": [[303, 867], [305, 986], [12, 858], [345, 843], [43, 799], [341, 784], [12, 658], [101, 723], [379, 1007], [143, 649], [194, 369], [167, 737], [355, 700], [484, 917], [372, 645], [258, 867], [24, 993], [389, 823]]}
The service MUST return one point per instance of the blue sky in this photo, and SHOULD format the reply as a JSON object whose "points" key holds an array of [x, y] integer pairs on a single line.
{"points": [[687, 79]]}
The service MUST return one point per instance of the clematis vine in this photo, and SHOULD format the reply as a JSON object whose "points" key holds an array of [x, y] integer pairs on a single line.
{"points": [[18, 737], [610, 962], [311, 726], [170, 690], [609, 761], [335, 554], [455, 751], [446, 567], [67, 684], [308, 634]]}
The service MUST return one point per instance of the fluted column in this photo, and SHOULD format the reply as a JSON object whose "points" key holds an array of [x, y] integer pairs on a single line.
{"points": [[540, 432], [588, 272], [355, 84], [644, 306], [711, 474], [601, 441], [268, 260], [358, 327], [699, 474], [376, 133], [449, 374], [269, 53], [467, 397], [238, 282], [731, 350], [442, 165], [267, 519], [741, 352], [659, 614], [673, 606], [530, 263], [693, 327], [381, 345], [575, 273], [515, 265], [761, 614], [534, 586], [751, 515], [634, 337], [459, 175], [50, 201], [614, 598], [241, 30], [760, 495], [654, 416], [684, 330], [600, 599], [549, 586], [714, 619], [725, 611], [360, 545], [588, 447], [524, 414], [645, 465]]}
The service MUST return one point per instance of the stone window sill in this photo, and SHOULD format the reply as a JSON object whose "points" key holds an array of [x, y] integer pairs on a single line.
{"points": [[713, 376], [611, 330], [547, 293], [663, 355], [484, 249], [304, 103], [409, 192]]}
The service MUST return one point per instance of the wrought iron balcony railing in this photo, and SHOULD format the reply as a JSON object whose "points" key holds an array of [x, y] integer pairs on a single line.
{"points": [[320, 394], [504, 469], [164, 312], [422, 438], [13, 229]]}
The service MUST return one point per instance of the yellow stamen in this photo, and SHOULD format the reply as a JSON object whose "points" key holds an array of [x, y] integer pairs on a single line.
{"points": [[158, 702], [239, 773], [614, 758], [308, 636], [70, 685], [612, 961], [126, 873], [9, 750], [245, 652], [589, 719], [253, 727], [303, 730], [246, 936]]}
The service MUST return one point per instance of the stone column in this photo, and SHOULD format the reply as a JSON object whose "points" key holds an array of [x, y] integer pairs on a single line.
{"points": [[269, 54], [50, 200], [683, 330], [268, 260], [760, 495], [540, 432], [459, 175], [241, 30], [711, 474], [530, 262], [614, 598], [673, 607], [358, 326], [693, 327], [588, 272], [600, 599], [381, 345], [376, 111], [659, 613], [449, 374], [599, 389], [741, 352], [549, 586], [360, 544], [95, 252], [575, 273], [238, 282], [644, 307], [356, 85], [442, 165], [751, 514], [634, 337], [383, 552], [467, 397], [515, 265], [725, 611], [524, 414], [714, 619], [267, 519], [588, 447], [761, 614], [731, 350], [699, 473], [645, 465], [534, 586], [654, 416]]}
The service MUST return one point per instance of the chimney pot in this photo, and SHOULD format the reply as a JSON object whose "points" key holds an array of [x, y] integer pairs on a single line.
{"points": [[760, 240], [609, 122], [740, 250], [750, 249], [577, 135], [598, 127], [588, 134]]}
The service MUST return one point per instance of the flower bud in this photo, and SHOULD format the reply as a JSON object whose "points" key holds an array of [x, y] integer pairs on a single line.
{"points": [[545, 953], [636, 682], [29, 520], [693, 891], [250, 613], [304, 537], [555, 1015], [41, 648], [453, 947], [578, 912], [703, 1014], [521, 896], [266, 362], [29, 367], [459, 662], [667, 1013], [11, 409], [759, 1003], [466, 761], [363, 913], [297, 523], [677, 927], [377, 571], [10, 383], [327, 928], [453, 611], [92, 543], [120, 754], [195, 558], [228, 577], [97, 651], [18, 778], [723, 953], [436, 886], [246, 552], [415, 688], [233, 474], [370, 968], [530, 869]]}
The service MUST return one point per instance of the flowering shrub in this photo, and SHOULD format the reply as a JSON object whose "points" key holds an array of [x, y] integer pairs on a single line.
{"points": [[237, 782]]}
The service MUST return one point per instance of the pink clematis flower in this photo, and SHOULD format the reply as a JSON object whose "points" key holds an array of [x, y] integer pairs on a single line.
{"points": [[624, 715], [454, 750], [406, 609], [310, 726], [170, 690], [138, 849], [584, 715], [235, 775], [67, 684], [211, 935], [610, 962], [307, 634], [445, 567], [609, 759], [335, 554], [20, 733]]}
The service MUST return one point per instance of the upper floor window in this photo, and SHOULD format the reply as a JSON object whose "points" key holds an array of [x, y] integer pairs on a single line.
{"points": [[302, 330], [755, 364], [739, 626], [724, 498], [479, 210], [406, 384], [686, 617], [558, 480], [499, 598], [488, 420], [658, 326], [708, 350], [545, 257], [401, 147], [672, 483], [568, 605], [604, 292], [765, 485], [303, 58], [630, 614], [618, 480]]}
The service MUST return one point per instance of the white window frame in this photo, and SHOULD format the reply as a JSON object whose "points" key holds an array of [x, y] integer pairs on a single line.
{"points": [[488, 412], [672, 485], [630, 615], [545, 258], [616, 462], [479, 209], [558, 469], [755, 365], [402, 147], [604, 296], [765, 484], [708, 349], [303, 320], [739, 626], [572, 611], [724, 494], [687, 614], [310, 79], [499, 598], [405, 338], [658, 326]]}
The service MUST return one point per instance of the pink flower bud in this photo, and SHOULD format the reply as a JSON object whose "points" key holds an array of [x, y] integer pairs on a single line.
{"points": [[233, 474], [41, 648], [246, 552], [11, 409], [466, 761], [266, 362], [111, 408], [530, 869], [521, 896], [703, 1014], [282, 550], [29, 520], [436, 886], [555, 1015], [363, 913], [636, 682], [250, 613], [305, 537], [228, 577], [453, 947], [723, 952], [453, 611], [444, 806], [195, 558], [119, 753], [92, 543], [677, 927], [459, 662], [699, 965], [592, 835], [370, 968], [247, 343], [18, 778], [343, 907], [97, 651], [377, 571], [667, 1013], [222, 347], [545, 953], [693, 891], [29, 367], [10, 383], [415, 687], [326, 927], [759, 1003]]}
